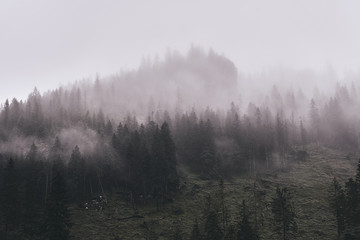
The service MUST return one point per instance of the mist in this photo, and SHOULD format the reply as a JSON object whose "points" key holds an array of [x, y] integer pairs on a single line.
{"points": [[164, 88], [68, 41], [145, 120]]}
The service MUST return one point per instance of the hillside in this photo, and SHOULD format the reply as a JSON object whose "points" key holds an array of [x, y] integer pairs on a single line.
{"points": [[179, 140], [310, 181]]}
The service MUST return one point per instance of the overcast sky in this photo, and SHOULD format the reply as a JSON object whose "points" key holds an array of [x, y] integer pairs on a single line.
{"points": [[47, 42]]}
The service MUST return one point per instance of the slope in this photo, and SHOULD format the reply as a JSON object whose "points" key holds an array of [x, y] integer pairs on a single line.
{"points": [[309, 181]]}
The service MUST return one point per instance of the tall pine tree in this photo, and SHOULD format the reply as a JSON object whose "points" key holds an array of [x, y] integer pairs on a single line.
{"points": [[10, 198], [57, 224], [283, 210]]}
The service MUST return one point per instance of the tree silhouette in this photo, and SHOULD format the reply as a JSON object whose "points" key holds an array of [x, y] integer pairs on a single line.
{"points": [[10, 197], [212, 228], [338, 204], [57, 223], [283, 210], [245, 230]]}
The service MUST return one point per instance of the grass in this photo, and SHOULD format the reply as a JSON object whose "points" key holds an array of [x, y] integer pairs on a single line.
{"points": [[309, 182]]}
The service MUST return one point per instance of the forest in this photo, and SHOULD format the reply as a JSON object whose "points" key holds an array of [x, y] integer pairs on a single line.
{"points": [[140, 137]]}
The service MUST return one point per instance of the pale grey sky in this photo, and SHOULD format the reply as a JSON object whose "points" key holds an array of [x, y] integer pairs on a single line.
{"points": [[47, 42]]}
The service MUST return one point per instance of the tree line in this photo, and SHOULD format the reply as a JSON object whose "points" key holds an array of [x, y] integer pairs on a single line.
{"points": [[35, 190], [345, 203]]}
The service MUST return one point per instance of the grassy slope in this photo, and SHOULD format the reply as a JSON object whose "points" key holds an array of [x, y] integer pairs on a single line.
{"points": [[309, 181]]}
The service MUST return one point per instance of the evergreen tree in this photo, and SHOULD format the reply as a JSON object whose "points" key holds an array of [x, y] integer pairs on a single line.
{"points": [[56, 150], [32, 204], [57, 222], [221, 206], [337, 203], [346, 207], [212, 228], [283, 210], [163, 163], [352, 209], [145, 179], [5, 114], [108, 128], [281, 137], [10, 198], [303, 135], [134, 170], [357, 176], [15, 112], [207, 150], [245, 230], [169, 157], [76, 170], [158, 168], [315, 120]]}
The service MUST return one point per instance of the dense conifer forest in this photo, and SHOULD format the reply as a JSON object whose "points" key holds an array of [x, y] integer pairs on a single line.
{"points": [[141, 137]]}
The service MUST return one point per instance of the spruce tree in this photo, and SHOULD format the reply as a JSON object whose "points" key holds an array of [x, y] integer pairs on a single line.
{"points": [[303, 135], [76, 175], [283, 210], [169, 155], [10, 198], [32, 204], [57, 224], [245, 230], [212, 228], [5, 114], [337, 203], [352, 209]]}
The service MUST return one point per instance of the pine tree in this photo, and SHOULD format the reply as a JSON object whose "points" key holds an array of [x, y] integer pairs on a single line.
{"points": [[158, 168], [134, 169], [207, 150], [337, 203], [283, 210], [303, 135], [57, 222], [32, 206], [315, 120], [5, 114], [108, 128], [352, 209], [245, 230], [145, 177], [212, 228], [281, 137], [220, 204], [15, 112], [77, 175], [9, 197], [169, 154]]}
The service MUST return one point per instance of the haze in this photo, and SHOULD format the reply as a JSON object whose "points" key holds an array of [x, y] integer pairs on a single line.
{"points": [[47, 43]]}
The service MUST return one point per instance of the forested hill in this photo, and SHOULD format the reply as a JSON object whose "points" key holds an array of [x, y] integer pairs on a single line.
{"points": [[199, 85], [130, 132]]}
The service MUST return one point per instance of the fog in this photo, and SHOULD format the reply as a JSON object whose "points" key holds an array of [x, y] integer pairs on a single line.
{"points": [[277, 75], [200, 85], [210, 104], [45, 44]]}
